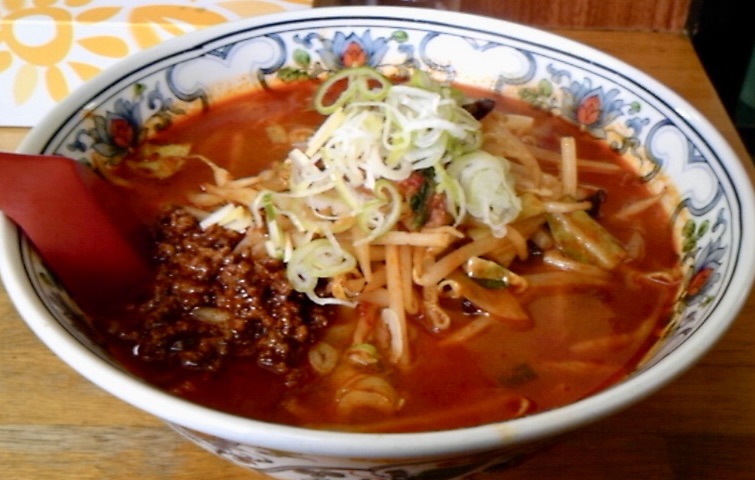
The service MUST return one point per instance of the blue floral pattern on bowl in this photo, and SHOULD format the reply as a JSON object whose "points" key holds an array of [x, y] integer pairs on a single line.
{"points": [[659, 142]]}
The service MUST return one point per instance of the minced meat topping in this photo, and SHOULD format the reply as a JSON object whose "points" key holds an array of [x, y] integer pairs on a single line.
{"points": [[211, 302]]}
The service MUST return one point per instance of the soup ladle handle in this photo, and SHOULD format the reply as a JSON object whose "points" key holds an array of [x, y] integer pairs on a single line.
{"points": [[81, 225]]}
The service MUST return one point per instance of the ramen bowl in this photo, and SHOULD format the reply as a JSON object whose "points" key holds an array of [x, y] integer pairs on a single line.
{"points": [[666, 140]]}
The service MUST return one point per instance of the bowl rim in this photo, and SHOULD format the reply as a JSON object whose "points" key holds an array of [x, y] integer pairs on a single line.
{"points": [[370, 445]]}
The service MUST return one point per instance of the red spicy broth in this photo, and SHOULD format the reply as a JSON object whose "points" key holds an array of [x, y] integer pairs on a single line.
{"points": [[580, 340]]}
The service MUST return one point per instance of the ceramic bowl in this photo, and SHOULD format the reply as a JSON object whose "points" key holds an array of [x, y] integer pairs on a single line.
{"points": [[661, 133]]}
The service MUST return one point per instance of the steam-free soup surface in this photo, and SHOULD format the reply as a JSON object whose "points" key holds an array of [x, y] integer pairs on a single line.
{"points": [[579, 336]]}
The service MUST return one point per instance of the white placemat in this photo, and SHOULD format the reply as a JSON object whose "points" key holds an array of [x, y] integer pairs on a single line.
{"points": [[48, 49]]}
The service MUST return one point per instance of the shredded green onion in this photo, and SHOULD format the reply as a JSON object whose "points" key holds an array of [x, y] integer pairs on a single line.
{"points": [[315, 260], [488, 189], [358, 88], [377, 135]]}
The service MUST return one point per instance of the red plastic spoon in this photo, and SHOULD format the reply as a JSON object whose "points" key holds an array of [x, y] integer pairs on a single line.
{"points": [[80, 224]]}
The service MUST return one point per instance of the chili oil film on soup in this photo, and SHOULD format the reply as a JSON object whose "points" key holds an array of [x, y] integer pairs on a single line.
{"points": [[388, 255]]}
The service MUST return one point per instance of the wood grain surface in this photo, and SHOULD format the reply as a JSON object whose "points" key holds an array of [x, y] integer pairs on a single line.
{"points": [[649, 15], [56, 425]]}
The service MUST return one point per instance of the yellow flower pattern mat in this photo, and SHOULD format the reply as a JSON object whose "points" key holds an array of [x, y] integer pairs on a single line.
{"points": [[50, 47]]}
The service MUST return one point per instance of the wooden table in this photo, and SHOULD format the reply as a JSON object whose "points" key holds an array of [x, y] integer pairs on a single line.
{"points": [[56, 425]]}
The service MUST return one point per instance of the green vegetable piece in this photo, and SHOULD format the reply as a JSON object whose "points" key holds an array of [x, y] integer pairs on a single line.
{"points": [[582, 238], [532, 206], [364, 354], [487, 273], [519, 375], [420, 201]]}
